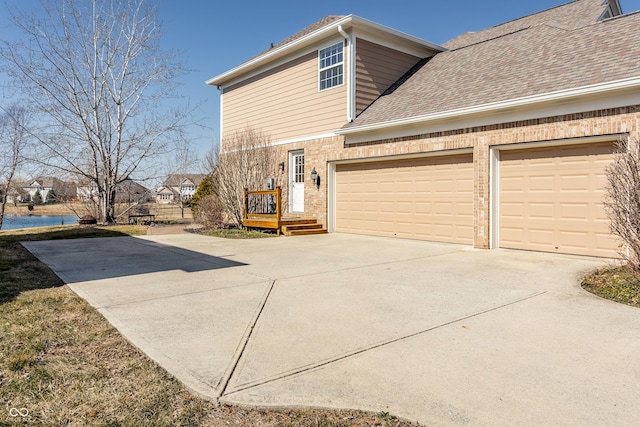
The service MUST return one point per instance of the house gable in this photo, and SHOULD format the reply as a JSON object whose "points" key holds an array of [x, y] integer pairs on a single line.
{"points": [[278, 92]]}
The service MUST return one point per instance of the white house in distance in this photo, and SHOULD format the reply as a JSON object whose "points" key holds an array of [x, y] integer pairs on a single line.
{"points": [[178, 187], [45, 185]]}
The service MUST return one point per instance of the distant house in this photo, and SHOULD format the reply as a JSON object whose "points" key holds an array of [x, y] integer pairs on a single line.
{"points": [[127, 191], [50, 189], [177, 188], [130, 191], [499, 138], [86, 190], [16, 192]]}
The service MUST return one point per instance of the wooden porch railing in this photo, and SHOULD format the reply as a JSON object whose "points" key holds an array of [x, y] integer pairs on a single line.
{"points": [[262, 208]]}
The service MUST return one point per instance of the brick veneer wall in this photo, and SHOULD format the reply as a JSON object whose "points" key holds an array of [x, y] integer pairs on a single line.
{"points": [[318, 153]]}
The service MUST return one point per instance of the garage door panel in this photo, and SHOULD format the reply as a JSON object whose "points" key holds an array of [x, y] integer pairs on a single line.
{"points": [[427, 198], [551, 199], [541, 183]]}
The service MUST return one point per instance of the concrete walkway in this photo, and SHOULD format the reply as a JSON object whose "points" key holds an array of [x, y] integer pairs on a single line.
{"points": [[435, 333]]}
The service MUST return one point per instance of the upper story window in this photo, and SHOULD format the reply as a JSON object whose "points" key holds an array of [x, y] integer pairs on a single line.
{"points": [[331, 66]]}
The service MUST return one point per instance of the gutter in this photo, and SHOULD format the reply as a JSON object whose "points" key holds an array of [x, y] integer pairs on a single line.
{"points": [[630, 83]]}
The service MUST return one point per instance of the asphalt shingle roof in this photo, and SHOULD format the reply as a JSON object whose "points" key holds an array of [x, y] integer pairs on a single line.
{"points": [[569, 16], [307, 30], [531, 61]]}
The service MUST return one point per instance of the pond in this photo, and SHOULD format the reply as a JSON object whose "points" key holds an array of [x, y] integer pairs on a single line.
{"points": [[11, 222]]}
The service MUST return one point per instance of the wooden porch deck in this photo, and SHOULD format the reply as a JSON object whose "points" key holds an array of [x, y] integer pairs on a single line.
{"points": [[262, 210]]}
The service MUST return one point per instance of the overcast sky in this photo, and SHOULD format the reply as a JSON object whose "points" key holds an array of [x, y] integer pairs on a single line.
{"points": [[216, 36]]}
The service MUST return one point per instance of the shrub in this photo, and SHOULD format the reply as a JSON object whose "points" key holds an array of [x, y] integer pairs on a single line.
{"points": [[210, 212], [623, 199]]}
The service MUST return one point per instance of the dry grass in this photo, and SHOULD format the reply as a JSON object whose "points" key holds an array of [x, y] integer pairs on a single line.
{"points": [[60, 359], [163, 213], [617, 283], [236, 233]]}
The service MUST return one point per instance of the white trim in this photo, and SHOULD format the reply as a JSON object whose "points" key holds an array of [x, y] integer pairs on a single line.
{"points": [[327, 45], [306, 138], [379, 39], [494, 196], [630, 83], [331, 197], [494, 172], [350, 73], [292, 172], [221, 116], [351, 108]]}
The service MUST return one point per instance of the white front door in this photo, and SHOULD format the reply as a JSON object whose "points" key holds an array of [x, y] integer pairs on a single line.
{"points": [[296, 178]]}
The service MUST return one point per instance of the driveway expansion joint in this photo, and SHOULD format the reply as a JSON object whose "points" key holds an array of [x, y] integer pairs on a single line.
{"points": [[235, 360], [319, 365]]}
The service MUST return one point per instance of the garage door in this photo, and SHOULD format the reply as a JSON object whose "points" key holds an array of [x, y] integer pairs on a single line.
{"points": [[551, 200], [428, 198]]}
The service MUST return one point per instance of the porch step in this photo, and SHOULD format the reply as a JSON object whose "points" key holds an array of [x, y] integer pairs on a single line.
{"points": [[290, 226], [301, 227], [306, 232]]}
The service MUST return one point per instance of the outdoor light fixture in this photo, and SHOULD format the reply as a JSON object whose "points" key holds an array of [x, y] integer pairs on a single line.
{"points": [[315, 178], [281, 166]]}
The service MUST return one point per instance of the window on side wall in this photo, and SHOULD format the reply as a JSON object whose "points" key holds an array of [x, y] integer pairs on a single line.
{"points": [[331, 66]]}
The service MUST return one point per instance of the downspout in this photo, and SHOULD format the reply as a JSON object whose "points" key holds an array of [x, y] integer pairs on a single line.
{"points": [[351, 75], [221, 112]]}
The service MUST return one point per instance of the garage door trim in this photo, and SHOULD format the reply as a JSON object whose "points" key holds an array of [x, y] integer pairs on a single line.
{"points": [[494, 177], [332, 178]]}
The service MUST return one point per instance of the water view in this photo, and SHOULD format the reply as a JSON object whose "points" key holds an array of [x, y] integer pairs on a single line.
{"points": [[11, 222]]}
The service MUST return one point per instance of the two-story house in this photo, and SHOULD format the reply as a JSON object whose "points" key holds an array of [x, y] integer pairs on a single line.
{"points": [[498, 138], [45, 189], [179, 188]]}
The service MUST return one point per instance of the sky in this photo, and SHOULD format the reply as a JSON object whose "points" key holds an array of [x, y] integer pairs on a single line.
{"points": [[216, 36]]}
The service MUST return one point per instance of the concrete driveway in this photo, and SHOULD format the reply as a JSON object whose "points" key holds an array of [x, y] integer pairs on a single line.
{"points": [[435, 333]]}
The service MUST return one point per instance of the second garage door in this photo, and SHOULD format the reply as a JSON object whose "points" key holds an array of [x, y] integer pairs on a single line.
{"points": [[427, 198], [551, 200]]}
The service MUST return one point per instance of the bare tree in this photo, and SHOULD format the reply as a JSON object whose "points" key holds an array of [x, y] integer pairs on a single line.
{"points": [[96, 73], [13, 140], [247, 162], [623, 199]]}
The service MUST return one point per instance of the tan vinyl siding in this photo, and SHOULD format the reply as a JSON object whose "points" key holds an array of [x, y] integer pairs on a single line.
{"points": [[285, 103], [377, 68]]}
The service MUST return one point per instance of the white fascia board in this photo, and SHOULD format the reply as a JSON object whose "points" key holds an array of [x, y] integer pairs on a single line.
{"points": [[630, 83], [276, 53], [378, 28]]}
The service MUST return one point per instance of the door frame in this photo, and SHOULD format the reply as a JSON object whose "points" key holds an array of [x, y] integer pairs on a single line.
{"points": [[292, 172]]}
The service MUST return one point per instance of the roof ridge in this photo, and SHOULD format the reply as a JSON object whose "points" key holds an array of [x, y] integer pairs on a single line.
{"points": [[323, 22], [494, 38], [533, 14]]}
